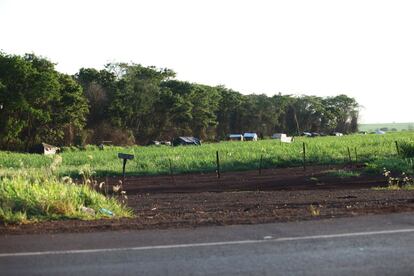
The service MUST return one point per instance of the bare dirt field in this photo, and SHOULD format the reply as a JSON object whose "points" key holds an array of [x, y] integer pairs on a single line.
{"points": [[240, 198], [313, 178]]}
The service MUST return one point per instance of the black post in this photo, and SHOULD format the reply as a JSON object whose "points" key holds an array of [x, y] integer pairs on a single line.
{"points": [[260, 165], [123, 171], [171, 171], [304, 156], [356, 156], [349, 156], [218, 164], [125, 158], [398, 148]]}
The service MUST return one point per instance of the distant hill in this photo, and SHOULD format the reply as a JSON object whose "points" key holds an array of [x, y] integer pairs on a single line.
{"points": [[390, 126]]}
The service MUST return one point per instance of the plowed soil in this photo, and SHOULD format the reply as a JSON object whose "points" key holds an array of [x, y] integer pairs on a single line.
{"points": [[239, 198], [313, 178]]}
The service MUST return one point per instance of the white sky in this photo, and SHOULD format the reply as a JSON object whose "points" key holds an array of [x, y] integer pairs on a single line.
{"points": [[361, 48]]}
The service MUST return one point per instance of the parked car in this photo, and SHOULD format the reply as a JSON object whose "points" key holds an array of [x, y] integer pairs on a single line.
{"points": [[248, 136], [236, 137], [282, 137]]}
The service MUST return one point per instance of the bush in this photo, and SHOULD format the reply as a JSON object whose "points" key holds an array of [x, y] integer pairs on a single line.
{"points": [[407, 149]]}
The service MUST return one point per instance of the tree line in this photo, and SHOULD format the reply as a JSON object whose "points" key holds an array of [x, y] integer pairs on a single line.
{"points": [[127, 103]]}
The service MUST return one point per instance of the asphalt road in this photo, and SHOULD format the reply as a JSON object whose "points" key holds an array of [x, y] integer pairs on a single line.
{"points": [[370, 245]]}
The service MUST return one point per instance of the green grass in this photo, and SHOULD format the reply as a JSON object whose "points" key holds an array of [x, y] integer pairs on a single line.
{"points": [[234, 156], [398, 126], [394, 164], [32, 189], [407, 149], [26, 198]]}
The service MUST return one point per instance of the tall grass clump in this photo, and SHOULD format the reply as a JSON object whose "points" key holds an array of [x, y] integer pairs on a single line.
{"points": [[38, 198], [31, 196], [407, 149]]}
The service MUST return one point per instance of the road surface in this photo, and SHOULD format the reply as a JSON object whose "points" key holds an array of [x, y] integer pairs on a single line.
{"points": [[370, 245]]}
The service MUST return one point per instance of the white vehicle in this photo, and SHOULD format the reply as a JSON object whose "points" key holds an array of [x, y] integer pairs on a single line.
{"points": [[282, 137], [236, 137], [250, 136]]}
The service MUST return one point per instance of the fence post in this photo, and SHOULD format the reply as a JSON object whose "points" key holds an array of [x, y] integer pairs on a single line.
{"points": [[356, 156], [398, 148], [260, 164], [349, 156], [304, 156], [218, 164], [171, 171]]}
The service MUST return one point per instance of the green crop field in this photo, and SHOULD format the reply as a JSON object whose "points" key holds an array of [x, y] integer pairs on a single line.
{"points": [[233, 156], [390, 126]]}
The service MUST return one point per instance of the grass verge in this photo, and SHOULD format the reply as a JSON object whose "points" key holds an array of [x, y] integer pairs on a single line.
{"points": [[34, 198]]}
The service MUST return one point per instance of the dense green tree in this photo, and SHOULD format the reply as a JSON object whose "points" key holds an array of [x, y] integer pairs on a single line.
{"points": [[139, 89], [127, 103], [38, 102]]}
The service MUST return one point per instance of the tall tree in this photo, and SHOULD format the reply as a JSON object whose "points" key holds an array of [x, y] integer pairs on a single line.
{"points": [[31, 95]]}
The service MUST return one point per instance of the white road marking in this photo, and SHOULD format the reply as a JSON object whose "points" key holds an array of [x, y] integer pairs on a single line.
{"points": [[207, 244]]}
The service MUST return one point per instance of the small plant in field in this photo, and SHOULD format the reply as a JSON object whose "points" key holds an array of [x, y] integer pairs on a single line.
{"points": [[343, 173], [56, 162], [401, 181], [88, 179], [87, 174], [314, 210], [119, 193]]}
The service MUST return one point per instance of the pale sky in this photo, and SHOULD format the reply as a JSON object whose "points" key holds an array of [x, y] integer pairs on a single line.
{"points": [[361, 48]]}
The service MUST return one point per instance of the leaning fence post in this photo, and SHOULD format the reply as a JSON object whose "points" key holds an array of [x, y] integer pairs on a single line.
{"points": [[218, 164], [398, 148], [304, 156], [349, 156]]}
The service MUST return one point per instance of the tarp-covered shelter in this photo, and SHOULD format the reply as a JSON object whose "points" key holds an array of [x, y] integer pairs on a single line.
{"points": [[44, 148], [186, 141]]}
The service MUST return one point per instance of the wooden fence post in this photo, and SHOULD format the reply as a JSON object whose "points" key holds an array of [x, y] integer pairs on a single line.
{"points": [[260, 165], [304, 156], [218, 164], [349, 156], [398, 148], [356, 156], [171, 171]]}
